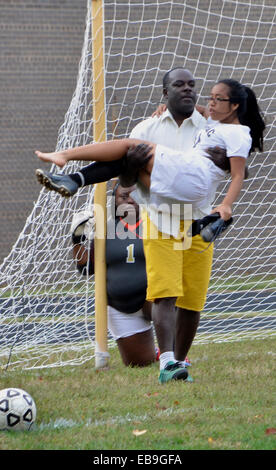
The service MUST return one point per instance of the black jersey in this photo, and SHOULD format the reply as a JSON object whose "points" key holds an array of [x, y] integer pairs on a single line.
{"points": [[126, 270]]}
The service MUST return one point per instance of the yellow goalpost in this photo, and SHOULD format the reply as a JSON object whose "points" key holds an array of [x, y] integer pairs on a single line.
{"points": [[99, 133]]}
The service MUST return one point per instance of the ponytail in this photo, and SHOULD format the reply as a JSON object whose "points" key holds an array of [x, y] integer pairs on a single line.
{"points": [[254, 120], [248, 111]]}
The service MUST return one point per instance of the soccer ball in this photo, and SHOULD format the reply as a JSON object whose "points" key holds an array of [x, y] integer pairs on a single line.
{"points": [[17, 410]]}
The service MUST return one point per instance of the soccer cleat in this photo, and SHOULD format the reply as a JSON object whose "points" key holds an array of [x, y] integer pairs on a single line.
{"points": [[209, 227], [214, 229], [173, 371], [62, 184]]}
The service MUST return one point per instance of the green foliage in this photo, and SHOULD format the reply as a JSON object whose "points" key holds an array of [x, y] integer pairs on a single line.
{"points": [[230, 405]]}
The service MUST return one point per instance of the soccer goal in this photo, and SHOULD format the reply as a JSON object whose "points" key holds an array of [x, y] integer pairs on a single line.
{"points": [[47, 309]]}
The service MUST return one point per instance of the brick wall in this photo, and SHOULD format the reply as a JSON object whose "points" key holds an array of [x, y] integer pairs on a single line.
{"points": [[40, 49]]}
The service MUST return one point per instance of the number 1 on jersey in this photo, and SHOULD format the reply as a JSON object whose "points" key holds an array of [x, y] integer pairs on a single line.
{"points": [[130, 254]]}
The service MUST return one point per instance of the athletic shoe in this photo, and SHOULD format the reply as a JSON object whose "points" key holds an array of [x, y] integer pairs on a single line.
{"points": [[173, 371], [62, 184]]}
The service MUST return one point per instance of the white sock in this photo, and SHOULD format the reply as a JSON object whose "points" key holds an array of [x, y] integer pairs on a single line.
{"points": [[165, 358]]}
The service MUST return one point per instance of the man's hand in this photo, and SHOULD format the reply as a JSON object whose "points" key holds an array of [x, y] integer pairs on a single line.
{"points": [[218, 156], [135, 159], [139, 156], [203, 110], [160, 110]]}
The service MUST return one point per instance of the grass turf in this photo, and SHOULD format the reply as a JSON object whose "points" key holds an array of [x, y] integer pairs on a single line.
{"points": [[230, 405]]}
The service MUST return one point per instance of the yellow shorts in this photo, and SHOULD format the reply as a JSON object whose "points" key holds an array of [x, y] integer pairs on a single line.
{"points": [[177, 267]]}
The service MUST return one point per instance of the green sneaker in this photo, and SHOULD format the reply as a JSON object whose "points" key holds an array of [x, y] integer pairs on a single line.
{"points": [[173, 371]]}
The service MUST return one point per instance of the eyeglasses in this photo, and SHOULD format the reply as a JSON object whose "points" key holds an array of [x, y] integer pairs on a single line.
{"points": [[216, 100]]}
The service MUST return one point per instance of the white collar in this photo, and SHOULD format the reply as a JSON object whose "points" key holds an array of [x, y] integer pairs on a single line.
{"points": [[195, 117]]}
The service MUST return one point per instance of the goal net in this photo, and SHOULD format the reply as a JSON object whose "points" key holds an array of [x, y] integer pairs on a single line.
{"points": [[47, 307]]}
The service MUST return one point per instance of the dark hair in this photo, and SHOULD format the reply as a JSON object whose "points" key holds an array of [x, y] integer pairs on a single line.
{"points": [[167, 76], [248, 111]]}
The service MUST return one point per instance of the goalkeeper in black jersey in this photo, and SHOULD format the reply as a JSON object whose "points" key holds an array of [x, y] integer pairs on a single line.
{"points": [[129, 315]]}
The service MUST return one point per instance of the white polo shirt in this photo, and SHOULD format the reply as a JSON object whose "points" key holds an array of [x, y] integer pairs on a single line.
{"points": [[164, 130]]}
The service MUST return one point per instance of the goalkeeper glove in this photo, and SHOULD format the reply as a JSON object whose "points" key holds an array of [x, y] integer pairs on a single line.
{"points": [[82, 227]]}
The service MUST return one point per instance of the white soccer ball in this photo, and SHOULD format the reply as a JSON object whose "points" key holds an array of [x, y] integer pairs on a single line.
{"points": [[17, 410]]}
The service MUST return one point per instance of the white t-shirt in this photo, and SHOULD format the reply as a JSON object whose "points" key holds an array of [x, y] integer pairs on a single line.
{"points": [[165, 131], [190, 177], [199, 134], [235, 138]]}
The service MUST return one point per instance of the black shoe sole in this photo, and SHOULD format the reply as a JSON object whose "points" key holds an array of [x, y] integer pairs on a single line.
{"points": [[48, 184], [180, 375]]}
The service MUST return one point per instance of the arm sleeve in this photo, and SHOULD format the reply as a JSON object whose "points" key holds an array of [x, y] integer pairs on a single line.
{"points": [[239, 146]]}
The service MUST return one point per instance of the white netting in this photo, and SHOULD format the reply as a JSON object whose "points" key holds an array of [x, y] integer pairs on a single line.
{"points": [[46, 307]]}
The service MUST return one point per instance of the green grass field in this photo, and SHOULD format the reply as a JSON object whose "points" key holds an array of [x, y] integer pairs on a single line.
{"points": [[230, 405]]}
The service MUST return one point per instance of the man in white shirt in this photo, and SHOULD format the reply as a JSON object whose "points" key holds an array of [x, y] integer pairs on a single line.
{"points": [[178, 269]]}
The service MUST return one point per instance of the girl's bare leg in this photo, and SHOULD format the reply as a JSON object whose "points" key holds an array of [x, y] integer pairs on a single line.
{"points": [[103, 151]]}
